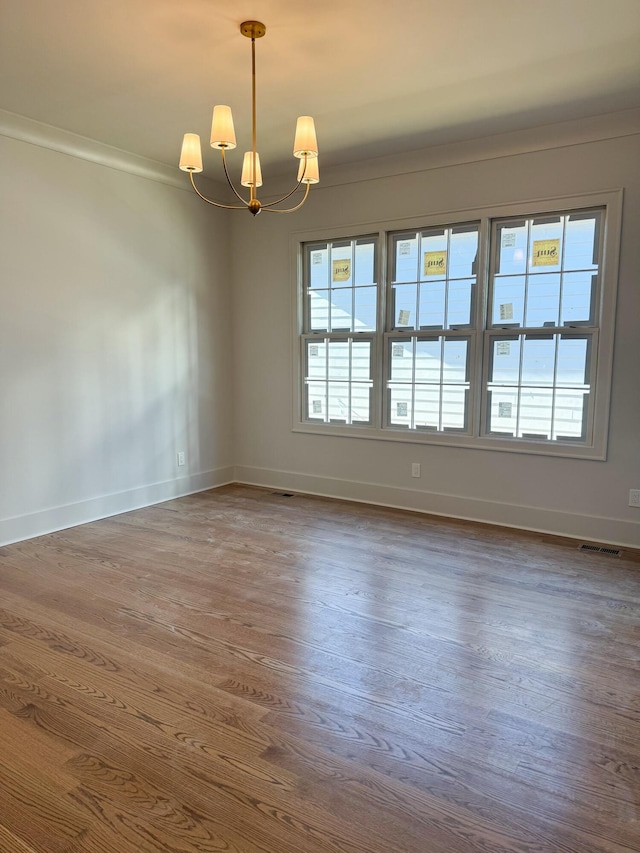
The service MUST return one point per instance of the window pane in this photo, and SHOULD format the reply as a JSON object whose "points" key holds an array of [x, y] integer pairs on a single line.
{"points": [[572, 361], [365, 309], [432, 304], [318, 266], [341, 306], [401, 369], [454, 407], [400, 409], [435, 255], [536, 406], [341, 266], [581, 241], [428, 361], [405, 304], [545, 250], [459, 303], [463, 253], [511, 248], [505, 361], [508, 301], [578, 289], [427, 407], [405, 258], [503, 408], [319, 310], [538, 361], [338, 394], [543, 300], [570, 414], [454, 366], [360, 403], [317, 401], [365, 262], [338, 364], [361, 361], [316, 359]]}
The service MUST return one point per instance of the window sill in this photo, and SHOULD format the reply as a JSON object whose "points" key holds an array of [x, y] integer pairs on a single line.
{"points": [[503, 445]]}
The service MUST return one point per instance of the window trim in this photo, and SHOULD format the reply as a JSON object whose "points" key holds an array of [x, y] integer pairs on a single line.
{"points": [[602, 360]]}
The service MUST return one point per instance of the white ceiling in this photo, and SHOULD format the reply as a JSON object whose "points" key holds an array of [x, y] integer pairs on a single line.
{"points": [[377, 76]]}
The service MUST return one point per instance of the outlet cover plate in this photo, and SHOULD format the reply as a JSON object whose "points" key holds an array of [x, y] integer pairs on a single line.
{"points": [[634, 497]]}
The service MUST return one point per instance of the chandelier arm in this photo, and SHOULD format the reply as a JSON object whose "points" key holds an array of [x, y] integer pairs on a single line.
{"points": [[229, 181], [285, 197], [269, 209], [214, 203]]}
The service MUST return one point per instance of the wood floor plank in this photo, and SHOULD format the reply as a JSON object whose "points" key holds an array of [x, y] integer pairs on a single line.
{"points": [[238, 672]]}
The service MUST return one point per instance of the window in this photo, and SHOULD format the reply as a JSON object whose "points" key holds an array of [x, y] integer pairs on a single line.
{"points": [[432, 290], [544, 282], [341, 299], [492, 331]]}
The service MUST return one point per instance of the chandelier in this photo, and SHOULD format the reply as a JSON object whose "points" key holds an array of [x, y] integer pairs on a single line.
{"points": [[223, 137]]}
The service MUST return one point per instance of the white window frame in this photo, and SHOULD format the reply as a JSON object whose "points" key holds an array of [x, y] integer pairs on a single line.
{"points": [[602, 355]]}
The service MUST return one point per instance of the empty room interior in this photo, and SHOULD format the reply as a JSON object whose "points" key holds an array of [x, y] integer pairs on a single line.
{"points": [[320, 426]]}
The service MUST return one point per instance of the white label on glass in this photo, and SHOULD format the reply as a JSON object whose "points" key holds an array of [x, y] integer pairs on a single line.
{"points": [[504, 348], [401, 410], [508, 239], [504, 410], [317, 407], [398, 351], [404, 248], [316, 257], [313, 350], [506, 311], [403, 317]]}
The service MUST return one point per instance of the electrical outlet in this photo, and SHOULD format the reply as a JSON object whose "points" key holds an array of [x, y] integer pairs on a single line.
{"points": [[634, 497], [181, 457], [415, 469]]}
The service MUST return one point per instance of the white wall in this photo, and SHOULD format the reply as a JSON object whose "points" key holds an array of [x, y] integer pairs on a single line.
{"points": [[586, 499], [135, 322], [114, 334]]}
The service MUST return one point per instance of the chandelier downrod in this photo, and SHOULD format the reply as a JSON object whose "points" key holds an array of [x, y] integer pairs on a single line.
{"points": [[305, 147]]}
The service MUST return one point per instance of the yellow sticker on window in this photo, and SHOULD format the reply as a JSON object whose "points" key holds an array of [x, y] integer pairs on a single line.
{"points": [[341, 270], [546, 253], [435, 263]]}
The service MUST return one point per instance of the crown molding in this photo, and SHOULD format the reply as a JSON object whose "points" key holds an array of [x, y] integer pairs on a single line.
{"points": [[541, 138], [43, 135]]}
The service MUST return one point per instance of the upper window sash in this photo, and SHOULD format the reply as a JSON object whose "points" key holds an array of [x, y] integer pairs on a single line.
{"points": [[340, 280], [432, 278], [545, 270]]}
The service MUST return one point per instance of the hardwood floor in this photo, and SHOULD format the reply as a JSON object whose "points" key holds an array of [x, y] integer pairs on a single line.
{"points": [[242, 672]]}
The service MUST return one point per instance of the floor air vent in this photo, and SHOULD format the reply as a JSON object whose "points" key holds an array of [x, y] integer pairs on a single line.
{"points": [[612, 552], [283, 494]]}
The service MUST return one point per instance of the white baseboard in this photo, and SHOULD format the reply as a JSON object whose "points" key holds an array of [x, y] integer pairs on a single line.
{"points": [[589, 528], [60, 517]]}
